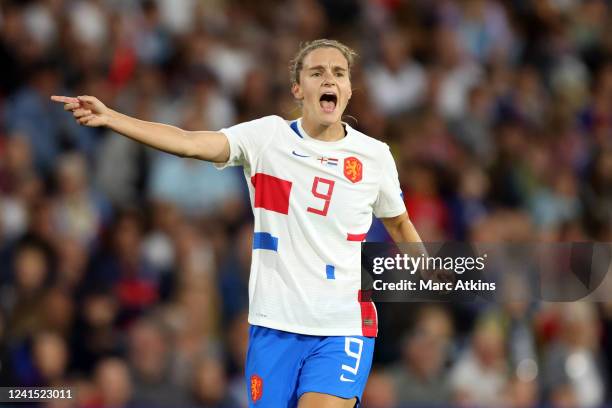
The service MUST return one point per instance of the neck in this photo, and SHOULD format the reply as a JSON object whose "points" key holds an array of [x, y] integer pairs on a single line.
{"points": [[325, 133]]}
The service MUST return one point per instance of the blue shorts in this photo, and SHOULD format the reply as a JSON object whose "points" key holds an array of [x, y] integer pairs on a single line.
{"points": [[281, 366]]}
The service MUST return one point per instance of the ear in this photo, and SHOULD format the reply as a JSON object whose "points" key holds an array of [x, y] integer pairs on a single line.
{"points": [[296, 90]]}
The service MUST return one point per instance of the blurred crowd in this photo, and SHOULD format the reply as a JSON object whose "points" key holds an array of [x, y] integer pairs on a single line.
{"points": [[123, 271]]}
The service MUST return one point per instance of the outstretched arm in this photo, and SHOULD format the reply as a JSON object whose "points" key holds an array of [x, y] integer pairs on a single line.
{"points": [[203, 145]]}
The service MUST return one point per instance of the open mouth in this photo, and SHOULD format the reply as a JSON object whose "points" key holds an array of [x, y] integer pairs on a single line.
{"points": [[328, 102]]}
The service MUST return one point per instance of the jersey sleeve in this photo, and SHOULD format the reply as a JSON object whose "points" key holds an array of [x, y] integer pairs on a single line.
{"points": [[247, 140], [390, 201]]}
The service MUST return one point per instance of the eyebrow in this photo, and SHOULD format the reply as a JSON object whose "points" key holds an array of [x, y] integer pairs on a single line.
{"points": [[322, 68]]}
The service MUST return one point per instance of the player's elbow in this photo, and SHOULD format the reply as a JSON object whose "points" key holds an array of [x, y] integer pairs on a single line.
{"points": [[208, 146], [396, 222], [396, 225]]}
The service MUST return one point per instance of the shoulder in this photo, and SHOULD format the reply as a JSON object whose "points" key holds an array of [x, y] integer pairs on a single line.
{"points": [[370, 143], [265, 121], [260, 129], [273, 119]]}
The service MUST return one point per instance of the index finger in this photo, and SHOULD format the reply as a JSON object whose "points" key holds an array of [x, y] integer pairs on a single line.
{"points": [[64, 99]]}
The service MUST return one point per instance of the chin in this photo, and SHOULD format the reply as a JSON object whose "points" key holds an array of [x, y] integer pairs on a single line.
{"points": [[326, 121], [329, 119]]}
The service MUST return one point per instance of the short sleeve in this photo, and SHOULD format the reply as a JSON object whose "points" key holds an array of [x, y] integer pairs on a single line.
{"points": [[248, 139], [390, 201]]}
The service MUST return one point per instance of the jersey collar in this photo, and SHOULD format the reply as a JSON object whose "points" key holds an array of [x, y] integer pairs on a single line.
{"points": [[296, 125]]}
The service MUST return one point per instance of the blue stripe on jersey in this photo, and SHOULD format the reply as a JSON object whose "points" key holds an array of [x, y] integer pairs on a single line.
{"points": [[265, 240], [293, 125], [330, 270]]}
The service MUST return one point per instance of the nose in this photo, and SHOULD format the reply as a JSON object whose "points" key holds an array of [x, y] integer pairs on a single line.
{"points": [[328, 79]]}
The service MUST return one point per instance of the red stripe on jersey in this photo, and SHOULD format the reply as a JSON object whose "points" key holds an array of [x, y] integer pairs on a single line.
{"points": [[369, 319], [271, 193], [355, 237]]}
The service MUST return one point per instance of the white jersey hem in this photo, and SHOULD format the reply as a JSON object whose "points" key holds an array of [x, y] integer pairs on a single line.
{"points": [[309, 331]]}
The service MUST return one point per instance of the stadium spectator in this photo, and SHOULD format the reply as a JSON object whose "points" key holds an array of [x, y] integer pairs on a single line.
{"points": [[480, 376], [427, 209], [572, 365], [50, 358], [473, 129], [96, 335], [453, 75], [79, 212], [150, 360], [381, 391], [397, 83], [177, 180], [210, 384], [158, 245], [113, 386], [45, 127], [121, 267], [19, 186], [57, 312], [421, 378], [31, 273], [72, 259]]}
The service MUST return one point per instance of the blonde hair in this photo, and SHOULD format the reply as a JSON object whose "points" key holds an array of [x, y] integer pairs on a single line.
{"points": [[297, 63]]}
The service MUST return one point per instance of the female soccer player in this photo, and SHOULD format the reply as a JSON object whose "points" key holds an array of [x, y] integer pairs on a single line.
{"points": [[314, 184]]}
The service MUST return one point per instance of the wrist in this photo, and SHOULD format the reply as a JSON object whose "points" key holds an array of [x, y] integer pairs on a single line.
{"points": [[111, 117]]}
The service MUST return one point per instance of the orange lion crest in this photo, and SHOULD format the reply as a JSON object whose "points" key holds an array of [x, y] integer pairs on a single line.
{"points": [[353, 169], [256, 388]]}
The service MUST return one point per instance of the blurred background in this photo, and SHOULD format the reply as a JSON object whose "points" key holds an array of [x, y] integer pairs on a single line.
{"points": [[123, 271]]}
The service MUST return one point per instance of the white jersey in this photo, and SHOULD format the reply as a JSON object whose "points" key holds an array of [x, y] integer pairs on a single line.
{"points": [[313, 203]]}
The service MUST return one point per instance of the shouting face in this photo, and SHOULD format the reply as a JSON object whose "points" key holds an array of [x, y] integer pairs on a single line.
{"points": [[324, 86]]}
